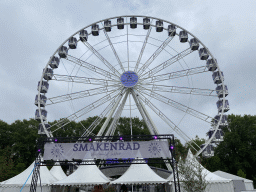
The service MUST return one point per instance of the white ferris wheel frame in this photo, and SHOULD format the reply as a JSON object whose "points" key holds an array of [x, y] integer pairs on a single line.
{"points": [[138, 101]]}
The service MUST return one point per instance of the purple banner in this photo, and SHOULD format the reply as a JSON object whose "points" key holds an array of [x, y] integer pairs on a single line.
{"points": [[106, 150]]}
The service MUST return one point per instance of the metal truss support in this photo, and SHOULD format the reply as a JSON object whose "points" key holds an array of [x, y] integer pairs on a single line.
{"points": [[102, 130], [36, 174], [175, 170], [112, 127], [148, 117], [151, 130]]}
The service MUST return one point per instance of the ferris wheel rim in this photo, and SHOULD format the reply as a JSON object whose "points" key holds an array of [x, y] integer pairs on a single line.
{"points": [[126, 16]]}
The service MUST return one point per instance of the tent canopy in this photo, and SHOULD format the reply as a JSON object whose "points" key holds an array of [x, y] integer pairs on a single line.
{"points": [[139, 174], [46, 177], [215, 182], [57, 172], [85, 175]]}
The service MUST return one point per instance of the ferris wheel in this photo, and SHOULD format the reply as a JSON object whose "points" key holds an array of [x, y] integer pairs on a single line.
{"points": [[134, 66]]}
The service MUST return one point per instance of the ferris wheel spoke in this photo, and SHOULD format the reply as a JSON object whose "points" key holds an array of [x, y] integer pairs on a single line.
{"points": [[105, 112], [154, 56], [177, 105], [114, 51], [142, 49], [112, 127], [159, 113], [173, 75], [81, 94], [97, 54], [85, 110], [91, 67], [84, 80], [167, 63], [181, 90]]}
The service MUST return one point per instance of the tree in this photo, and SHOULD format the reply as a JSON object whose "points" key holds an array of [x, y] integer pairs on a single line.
{"points": [[138, 126], [238, 150], [191, 176]]}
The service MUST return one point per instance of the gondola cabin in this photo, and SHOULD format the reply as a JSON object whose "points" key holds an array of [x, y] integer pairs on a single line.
{"points": [[43, 113], [146, 23], [133, 22], [159, 26], [48, 73], [203, 54], [218, 137], [120, 23], [211, 64], [220, 104], [55, 61], [72, 43], [44, 87], [63, 52], [220, 92], [171, 30], [41, 128], [107, 25], [42, 100], [83, 35], [183, 36], [194, 44], [95, 30], [208, 151], [217, 78], [223, 122]]}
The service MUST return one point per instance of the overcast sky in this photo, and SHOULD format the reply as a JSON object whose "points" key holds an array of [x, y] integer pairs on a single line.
{"points": [[30, 32]]}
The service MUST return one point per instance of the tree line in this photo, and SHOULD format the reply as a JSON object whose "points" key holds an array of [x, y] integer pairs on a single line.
{"points": [[235, 155]]}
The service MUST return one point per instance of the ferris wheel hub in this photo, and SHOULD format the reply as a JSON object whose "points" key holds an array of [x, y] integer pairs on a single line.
{"points": [[129, 79]]}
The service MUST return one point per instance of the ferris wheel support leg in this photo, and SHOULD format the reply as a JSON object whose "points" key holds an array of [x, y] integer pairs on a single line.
{"points": [[169, 167], [148, 117], [138, 104], [112, 127], [109, 117]]}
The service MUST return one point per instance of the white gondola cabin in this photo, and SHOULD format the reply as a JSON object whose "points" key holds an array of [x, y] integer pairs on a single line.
{"points": [[133, 22], [48, 73], [72, 43], [63, 52], [120, 23], [107, 25], [95, 30], [159, 26], [203, 54], [194, 44], [183, 36], [171, 30], [43, 113], [44, 87], [217, 78], [146, 23], [218, 137], [220, 104], [83, 35], [223, 121], [54, 62], [220, 92], [42, 100], [211, 64], [208, 151], [41, 128]]}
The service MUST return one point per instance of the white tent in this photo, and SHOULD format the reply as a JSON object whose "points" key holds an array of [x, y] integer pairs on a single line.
{"points": [[139, 174], [216, 183], [84, 175], [15, 184], [248, 183], [57, 172]]}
